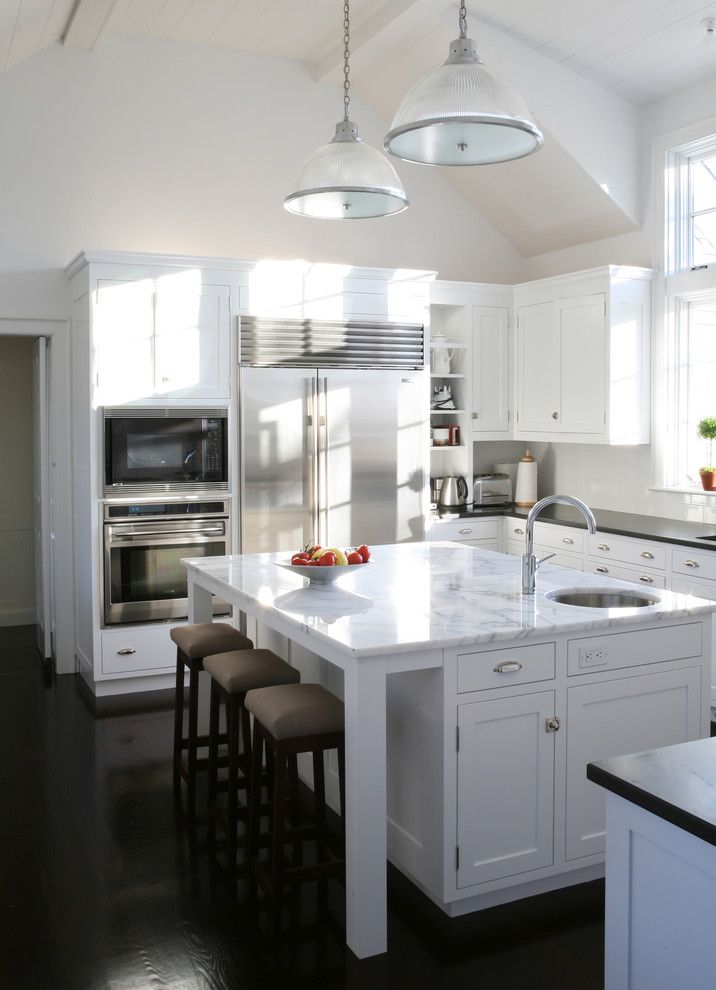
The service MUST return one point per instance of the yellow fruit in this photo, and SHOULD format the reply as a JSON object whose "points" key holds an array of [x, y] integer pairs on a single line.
{"points": [[341, 558], [318, 552]]}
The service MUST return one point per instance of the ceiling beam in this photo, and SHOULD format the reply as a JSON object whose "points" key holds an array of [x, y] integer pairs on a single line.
{"points": [[384, 28], [89, 22]]}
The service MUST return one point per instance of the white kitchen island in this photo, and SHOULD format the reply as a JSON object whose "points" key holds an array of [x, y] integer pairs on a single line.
{"points": [[472, 711]]}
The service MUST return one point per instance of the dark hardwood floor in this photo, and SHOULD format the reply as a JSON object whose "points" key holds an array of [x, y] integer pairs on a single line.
{"points": [[101, 885]]}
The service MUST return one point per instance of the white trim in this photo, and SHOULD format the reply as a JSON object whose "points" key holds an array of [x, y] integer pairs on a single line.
{"points": [[57, 332]]}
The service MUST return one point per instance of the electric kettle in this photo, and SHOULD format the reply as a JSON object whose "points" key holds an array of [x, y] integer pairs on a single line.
{"points": [[453, 493]]}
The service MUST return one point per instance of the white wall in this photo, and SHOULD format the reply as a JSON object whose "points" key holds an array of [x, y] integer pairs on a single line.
{"points": [[17, 581], [160, 146]]}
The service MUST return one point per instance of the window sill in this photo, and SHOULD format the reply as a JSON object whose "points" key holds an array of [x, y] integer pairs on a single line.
{"points": [[684, 490]]}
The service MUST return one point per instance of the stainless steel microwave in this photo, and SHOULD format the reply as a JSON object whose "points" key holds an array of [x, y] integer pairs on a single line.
{"points": [[150, 451]]}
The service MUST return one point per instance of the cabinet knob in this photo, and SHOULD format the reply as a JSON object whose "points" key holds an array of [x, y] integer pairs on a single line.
{"points": [[602, 570], [567, 539], [555, 415], [691, 563], [602, 546], [647, 555], [126, 652], [551, 724], [475, 415], [508, 667], [165, 379]]}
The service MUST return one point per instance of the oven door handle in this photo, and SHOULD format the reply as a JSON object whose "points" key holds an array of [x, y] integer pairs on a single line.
{"points": [[176, 536]]}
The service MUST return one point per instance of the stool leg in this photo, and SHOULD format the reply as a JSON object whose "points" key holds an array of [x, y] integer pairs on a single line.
{"points": [[192, 750], [279, 812], [213, 764], [319, 805], [342, 791], [245, 735], [254, 808], [178, 719], [232, 801]]}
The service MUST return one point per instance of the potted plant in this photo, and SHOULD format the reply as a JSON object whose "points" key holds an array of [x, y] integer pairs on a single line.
{"points": [[707, 431]]}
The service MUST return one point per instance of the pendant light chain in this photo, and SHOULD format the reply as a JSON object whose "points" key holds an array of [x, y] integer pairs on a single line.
{"points": [[346, 57], [463, 20]]}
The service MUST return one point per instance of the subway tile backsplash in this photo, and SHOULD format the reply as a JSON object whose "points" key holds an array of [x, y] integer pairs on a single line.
{"points": [[615, 478]]}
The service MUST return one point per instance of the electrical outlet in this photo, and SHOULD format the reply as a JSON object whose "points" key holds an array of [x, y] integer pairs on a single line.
{"points": [[593, 656]]}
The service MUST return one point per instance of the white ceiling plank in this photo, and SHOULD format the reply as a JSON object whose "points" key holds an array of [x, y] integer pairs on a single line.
{"points": [[167, 18], [201, 20], [239, 19], [29, 30], [139, 16], [57, 18], [88, 22], [9, 17]]}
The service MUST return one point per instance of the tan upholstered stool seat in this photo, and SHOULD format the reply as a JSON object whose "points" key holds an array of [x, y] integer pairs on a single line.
{"points": [[239, 671], [204, 638], [295, 710]]}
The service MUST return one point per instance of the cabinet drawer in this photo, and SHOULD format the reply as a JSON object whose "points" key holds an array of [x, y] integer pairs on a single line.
{"points": [[572, 560], [559, 537], [632, 574], [695, 563], [640, 552], [516, 529], [131, 651], [633, 649], [465, 530], [694, 586], [503, 668]]}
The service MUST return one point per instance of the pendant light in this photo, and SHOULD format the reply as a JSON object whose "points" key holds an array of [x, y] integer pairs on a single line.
{"points": [[463, 114], [347, 179]]}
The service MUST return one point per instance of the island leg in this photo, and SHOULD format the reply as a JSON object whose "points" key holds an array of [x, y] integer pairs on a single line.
{"points": [[200, 608], [366, 830]]}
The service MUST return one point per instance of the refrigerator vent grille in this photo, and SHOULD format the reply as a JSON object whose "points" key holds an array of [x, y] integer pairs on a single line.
{"points": [[272, 343]]}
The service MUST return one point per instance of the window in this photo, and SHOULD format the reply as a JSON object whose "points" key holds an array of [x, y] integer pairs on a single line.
{"points": [[696, 388], [702, 210]]}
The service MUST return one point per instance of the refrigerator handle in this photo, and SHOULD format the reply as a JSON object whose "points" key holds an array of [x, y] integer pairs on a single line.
{"points": [[323, 422], [314, 420]]}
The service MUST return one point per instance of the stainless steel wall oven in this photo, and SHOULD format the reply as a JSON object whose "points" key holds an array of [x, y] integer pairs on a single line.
{"points": [[144, 543]]}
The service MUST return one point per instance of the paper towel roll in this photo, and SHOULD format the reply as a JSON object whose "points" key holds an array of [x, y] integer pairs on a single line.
{"points": [[526, 487]]}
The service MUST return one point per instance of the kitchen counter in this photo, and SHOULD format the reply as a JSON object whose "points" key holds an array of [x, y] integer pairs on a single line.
{"points": [[619, 523], [676, 783], [417, 596]]}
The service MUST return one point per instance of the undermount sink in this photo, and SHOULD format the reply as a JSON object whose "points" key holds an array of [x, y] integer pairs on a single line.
{"points": [[595, 598]]}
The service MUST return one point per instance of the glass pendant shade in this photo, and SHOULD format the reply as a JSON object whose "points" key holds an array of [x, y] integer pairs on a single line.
{"points": [[462, 113], [347, 179]]}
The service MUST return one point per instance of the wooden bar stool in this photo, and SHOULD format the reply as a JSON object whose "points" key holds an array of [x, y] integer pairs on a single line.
{"points": [[288, 720], [232, 675], [194, 643]]}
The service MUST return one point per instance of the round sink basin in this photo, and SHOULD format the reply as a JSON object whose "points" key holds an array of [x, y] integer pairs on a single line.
{"points": [[591, 598]]}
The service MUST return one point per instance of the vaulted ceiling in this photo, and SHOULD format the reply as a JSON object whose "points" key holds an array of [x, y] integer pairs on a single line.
{"points": [[585, 65]]}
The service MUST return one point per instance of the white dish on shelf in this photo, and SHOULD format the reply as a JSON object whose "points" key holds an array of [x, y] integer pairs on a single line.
{"points": [[321, 575]]}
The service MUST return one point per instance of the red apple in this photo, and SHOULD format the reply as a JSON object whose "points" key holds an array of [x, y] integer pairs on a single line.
{"points": [[355, 558]]}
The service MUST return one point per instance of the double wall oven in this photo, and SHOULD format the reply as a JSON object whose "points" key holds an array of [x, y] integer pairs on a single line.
{"points": [[166, 497]]}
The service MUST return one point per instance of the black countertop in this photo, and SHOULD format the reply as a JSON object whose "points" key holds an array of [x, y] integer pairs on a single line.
{"points": [[688, 534], [677, 783]]}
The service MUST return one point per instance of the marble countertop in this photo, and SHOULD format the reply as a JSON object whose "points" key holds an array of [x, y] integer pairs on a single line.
{"points": [[677, 783], [416, 596]]}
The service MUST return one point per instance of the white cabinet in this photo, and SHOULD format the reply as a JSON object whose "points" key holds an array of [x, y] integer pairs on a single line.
{"points": [[490, 411], [163, 337], [614, 717], [582, 357], [505, 787]]}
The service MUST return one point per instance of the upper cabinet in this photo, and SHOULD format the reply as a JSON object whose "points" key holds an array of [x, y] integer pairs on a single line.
{"points": [[582, 357], [490, 365], [165, 337]]}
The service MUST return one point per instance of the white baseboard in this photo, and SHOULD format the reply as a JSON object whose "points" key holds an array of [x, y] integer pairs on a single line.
{"points": [[17, 614]]}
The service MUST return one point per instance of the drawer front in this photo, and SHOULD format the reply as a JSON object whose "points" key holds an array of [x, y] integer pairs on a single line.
{"points": [[516, 529], [465, 530], [694, 586], [560, 559], [642, 553], [634, 575], [135, 651], [559, 537], [482, 544], [694, 563], [633, 649], [503, 668]]}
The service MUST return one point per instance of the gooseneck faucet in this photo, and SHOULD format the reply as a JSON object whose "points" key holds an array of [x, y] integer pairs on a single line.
{"points": [[529, 561]]}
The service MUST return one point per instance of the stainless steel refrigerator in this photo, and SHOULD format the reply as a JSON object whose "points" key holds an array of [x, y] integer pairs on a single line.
{"points": [[332, 454]]}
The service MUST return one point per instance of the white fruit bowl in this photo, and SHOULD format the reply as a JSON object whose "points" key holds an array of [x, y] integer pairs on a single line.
{"points": [[321, 575]]}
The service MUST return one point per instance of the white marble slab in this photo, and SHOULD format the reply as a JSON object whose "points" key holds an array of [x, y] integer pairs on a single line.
{"points": [[416, 596]]}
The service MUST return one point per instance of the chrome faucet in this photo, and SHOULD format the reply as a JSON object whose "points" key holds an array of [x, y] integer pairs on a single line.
{"points": [[529, 561]]}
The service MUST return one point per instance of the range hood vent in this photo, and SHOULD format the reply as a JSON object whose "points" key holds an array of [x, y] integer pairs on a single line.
{"points": [[275, 343]]}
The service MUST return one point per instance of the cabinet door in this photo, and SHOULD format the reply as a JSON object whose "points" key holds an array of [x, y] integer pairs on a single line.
{"points": [[505, 787], [123, 339], [192, 344], [584, 355], [538, 351], [614, 718], [490, 369]]}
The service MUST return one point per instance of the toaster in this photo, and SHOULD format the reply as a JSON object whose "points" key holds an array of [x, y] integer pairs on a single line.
{"points": [[492, 489]]}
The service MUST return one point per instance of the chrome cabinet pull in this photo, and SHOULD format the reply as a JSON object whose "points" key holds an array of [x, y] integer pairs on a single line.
{"points": [[646, 579], [508, 667], [551, 724], [465, 532], [520, 532], [126, 652], [691, 563], [602, 546], [475, 415], [647, 555], [602, 570], [555, 415], [567, 539]]}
